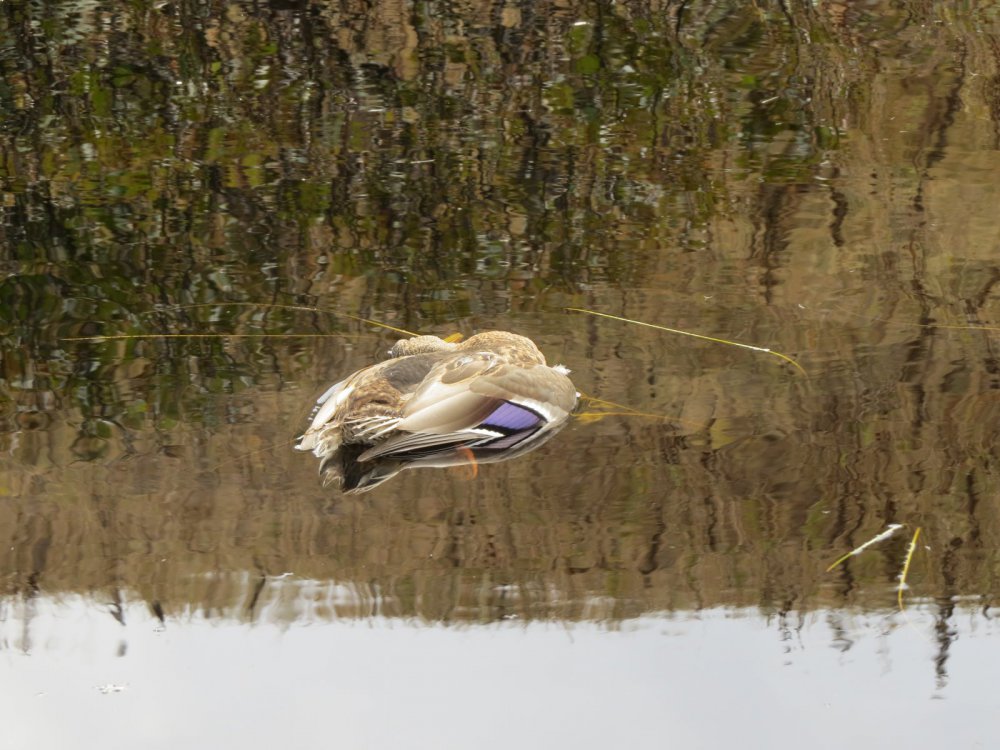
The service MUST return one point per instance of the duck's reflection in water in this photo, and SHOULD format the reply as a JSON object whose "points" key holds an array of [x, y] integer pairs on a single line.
{"points": [[435, 403]]}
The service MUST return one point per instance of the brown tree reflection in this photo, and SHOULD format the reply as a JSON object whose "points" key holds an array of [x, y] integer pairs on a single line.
{"points": [[819, 179]]}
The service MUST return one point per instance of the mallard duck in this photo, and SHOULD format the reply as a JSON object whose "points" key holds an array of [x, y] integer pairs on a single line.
{"points": [[436, 403]]}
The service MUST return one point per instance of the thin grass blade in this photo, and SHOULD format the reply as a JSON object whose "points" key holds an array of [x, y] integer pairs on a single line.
{"points": [[751, 347]]}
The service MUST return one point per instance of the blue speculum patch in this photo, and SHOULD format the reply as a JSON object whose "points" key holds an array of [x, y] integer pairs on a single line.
{"points": [[512, 417]]}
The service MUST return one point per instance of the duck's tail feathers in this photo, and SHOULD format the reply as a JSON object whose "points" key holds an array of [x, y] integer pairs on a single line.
{"points": [[368, 429]]}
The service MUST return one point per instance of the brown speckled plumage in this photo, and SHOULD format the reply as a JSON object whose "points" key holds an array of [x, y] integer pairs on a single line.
{"points": [[431, 397]]}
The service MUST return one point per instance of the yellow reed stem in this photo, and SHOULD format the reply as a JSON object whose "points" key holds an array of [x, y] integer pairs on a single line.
{"points": [[611, 404], [301, 308], [892, 529], [713, 339], [121, 336], [906, 569]]}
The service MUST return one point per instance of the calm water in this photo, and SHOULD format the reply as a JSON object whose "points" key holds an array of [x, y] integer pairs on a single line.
{"points": [[818, 179]]}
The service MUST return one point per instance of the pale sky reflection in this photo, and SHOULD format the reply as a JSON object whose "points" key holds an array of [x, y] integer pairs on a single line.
{"points": [[716, 678]]}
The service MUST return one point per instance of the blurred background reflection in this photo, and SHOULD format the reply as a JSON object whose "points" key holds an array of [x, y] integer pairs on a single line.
{"points": [[816, 178]]}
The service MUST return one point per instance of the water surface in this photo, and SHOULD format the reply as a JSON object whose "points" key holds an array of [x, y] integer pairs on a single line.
{"points": [[712, 679], [818, 179]]}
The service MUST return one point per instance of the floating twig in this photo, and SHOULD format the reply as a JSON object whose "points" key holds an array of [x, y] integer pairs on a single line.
{"points": [[906, 569], [703, 337], [303, 308], [890, 530], [125, 336], [615, 410]]}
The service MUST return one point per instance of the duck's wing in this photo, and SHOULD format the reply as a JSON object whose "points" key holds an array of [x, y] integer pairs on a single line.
{"points": [[402, 375], [326, 406], [477, 400]]}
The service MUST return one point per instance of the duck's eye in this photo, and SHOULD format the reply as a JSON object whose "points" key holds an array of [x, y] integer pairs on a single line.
{"points": [[379, 401]]}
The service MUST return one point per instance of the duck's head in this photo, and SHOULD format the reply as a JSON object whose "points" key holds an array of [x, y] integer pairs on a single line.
{"points": [[510, 346], [420, 345]]}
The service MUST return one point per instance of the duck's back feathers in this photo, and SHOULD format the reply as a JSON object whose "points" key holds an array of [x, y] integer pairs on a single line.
{"points": [[375, 391], [494, 410], [492, 395]]}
